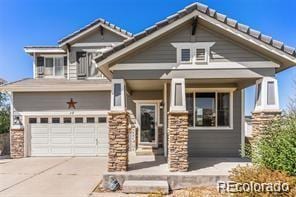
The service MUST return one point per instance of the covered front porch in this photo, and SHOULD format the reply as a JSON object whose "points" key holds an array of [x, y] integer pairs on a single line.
{"points": [[188, 124]]}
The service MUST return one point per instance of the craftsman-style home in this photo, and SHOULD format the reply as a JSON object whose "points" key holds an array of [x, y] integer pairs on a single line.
{"points": [[176, 89]]}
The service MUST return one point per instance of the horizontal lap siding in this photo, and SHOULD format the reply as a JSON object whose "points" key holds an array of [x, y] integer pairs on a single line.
{"points": [[218, 143], [161, 51], [57, 101]]}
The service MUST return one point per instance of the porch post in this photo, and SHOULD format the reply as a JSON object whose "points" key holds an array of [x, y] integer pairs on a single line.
{"points": [[178, 128], [266, 105], [118, 128]]}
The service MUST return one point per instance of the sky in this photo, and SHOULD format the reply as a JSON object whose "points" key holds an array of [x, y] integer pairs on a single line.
{"points": [[40, 22]]}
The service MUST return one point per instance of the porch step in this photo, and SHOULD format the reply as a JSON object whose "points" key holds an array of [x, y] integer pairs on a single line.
{"points": [[141, 151], [141, 186]]}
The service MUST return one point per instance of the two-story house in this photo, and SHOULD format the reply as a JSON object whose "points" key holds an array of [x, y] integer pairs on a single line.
{"points": [[175, 89]]}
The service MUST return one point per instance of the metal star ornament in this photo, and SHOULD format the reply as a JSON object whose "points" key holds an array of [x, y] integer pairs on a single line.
{"points": [[71, 104]]}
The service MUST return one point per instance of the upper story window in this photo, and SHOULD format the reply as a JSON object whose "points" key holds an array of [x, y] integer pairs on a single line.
{"points": [[193, 52], [51, 66]]}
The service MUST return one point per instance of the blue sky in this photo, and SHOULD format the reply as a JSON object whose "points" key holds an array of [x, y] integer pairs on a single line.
{"points": [[39, 22]]}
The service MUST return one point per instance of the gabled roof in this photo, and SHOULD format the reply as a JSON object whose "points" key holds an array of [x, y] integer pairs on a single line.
{"points": [[95, 23], [262, 40]]}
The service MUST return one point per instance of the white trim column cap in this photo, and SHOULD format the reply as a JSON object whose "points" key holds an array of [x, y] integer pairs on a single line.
{"points": [[118, 96], [267, 95], [174, 107]]}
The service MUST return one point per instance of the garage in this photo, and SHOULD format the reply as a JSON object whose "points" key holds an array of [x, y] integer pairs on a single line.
{"points": [[68, 136]]}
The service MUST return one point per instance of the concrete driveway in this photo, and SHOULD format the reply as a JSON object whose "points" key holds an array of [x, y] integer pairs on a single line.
{"points": [[50, 176]]}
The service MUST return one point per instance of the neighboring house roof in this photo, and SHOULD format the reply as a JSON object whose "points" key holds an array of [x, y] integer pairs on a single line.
{"points": [[2, 81], [40, 85], [43, 49], [265, 42], [95, 23]]}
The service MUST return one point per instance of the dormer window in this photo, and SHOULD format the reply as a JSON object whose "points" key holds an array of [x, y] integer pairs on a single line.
{"points": [[185, 55], [200, 55], [193, 52]]}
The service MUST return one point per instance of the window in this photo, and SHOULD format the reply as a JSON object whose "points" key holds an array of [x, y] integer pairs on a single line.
{"points": [[208, 109], [270, 93], [59, 66], [258, 94], [178, 94], [189, 107], [193, 52], [79, 120], [117, 94], [102, 120], [55, 120], [200, 55], [67, 120], [90, 120], [44, 120], [205, 109], [48, 66], [185, 55], [32, 120], [53, 66]]}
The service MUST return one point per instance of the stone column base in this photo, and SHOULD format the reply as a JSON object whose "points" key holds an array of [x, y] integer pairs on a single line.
{"points": [[118, 141], [17, 143], [178, 141], [260, 120]]}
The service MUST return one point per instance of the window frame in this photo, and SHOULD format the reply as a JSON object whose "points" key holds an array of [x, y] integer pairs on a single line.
{"points": [[193, 46], [216, 91], [53, 57]]}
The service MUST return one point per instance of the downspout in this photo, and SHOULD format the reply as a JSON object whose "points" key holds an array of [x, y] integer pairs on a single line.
{"points": [[165, 144]]}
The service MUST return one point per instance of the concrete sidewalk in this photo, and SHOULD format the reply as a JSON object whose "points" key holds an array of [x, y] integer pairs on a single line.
{"points": [[50, 176]]}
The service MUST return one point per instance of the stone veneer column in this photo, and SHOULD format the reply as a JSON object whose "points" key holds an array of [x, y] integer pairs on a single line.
{"points": [[118, 141], [178, 141], [17, 143], [260, 121]]}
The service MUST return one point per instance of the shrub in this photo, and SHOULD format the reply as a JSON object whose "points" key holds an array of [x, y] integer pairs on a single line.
{"points": [[257, 174], [276, 147], [4, 113]]}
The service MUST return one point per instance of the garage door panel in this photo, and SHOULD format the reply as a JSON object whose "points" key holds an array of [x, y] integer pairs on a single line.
{"points": [[85, 140], [40, 140], [39, 150], [69, 139], [61, 140], [63, 130]]}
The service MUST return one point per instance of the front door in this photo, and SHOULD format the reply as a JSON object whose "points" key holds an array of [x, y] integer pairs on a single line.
{"points": [[148, 124]]}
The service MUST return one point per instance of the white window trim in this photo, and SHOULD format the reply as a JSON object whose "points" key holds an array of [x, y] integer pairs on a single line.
{"points": [[173, 107], [122, 93], [193, 46], [213, 90], [263, 105], [53, 69]]}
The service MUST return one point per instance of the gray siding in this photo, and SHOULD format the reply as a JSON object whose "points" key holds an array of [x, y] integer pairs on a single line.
{"points": [[218, 143], [161, 50], [57, 101], [96, 36]]}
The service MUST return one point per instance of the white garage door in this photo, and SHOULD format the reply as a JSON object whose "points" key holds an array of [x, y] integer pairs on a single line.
{"points": [[69, 139]]}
